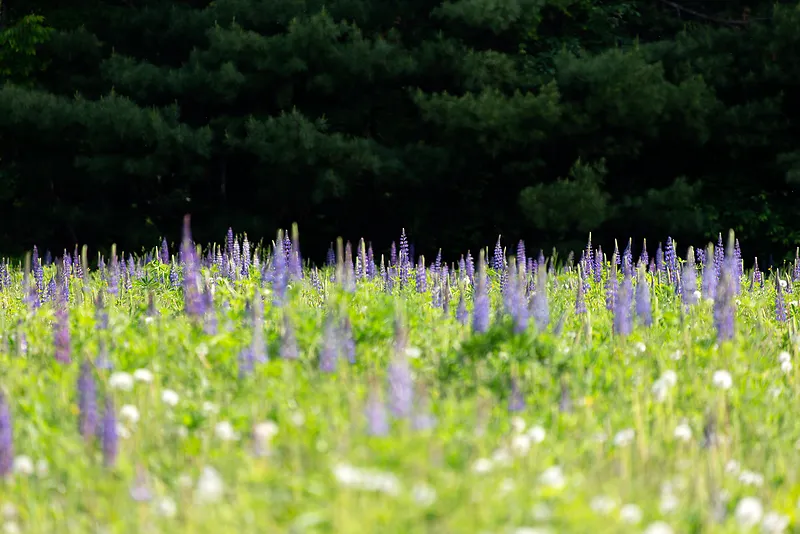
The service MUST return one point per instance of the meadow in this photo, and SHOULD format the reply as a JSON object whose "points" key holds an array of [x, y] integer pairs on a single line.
{"points": [[236, 388]]}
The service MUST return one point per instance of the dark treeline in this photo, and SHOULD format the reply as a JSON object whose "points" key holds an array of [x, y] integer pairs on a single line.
{"points": [[458, 120]]}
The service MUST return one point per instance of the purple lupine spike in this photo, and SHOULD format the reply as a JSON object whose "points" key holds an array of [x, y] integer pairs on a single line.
{"points": [[541, 308], [796, 271], [347, 339], [295, 260], [6, 438], [87, 402], [229, 242], [516, 400], [580, 299], [280, 275], [719, 255], [660, 265], [393, 255], [588, 258], [375, 414], [61, 338], [329, 352], [258, 344], [102, 361], [780, 304], [671, 259], [498, 260], [76, 263], [521, 263], [349, 283], [701, 257], [403, 245], [444, 289], [627, 258], [422, 276], [246, 362], [437, 265], [710, 274], [330, 257], [481, 305], [403, 263], [598, 265], [470, 268], [192, 297], [436, 291], [462, 315], [644, 258], [164, 252], [316, 282], [616, 258], [371, 270], [757, 277], [174, 278], [245, 257], [289, 350], [612, 288], [401, 395], [113, 276], [737, 255], [623, 320], [422, 418], [236, 258], [689, 283], [644, 309], [724, 305], [109, 437]]}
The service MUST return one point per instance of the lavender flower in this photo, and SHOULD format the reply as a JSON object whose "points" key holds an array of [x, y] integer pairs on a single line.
{"points": [[710, 275], [462, 315], [689, 282], [280, 275], [422, 278], [498, 260], [164, 252], [623, 321], [470, 268], [87, 402]]}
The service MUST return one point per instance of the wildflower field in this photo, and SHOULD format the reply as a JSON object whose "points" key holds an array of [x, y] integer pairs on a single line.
{"points": [[236, 388]]}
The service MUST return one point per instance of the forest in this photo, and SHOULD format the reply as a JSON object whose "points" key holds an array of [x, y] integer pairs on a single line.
{"points": [[458, 121]]}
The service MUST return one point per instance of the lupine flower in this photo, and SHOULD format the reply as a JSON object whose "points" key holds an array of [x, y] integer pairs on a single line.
{"points": [[330, 347], [660, 266], [689, 282], [480, 311], [780, 304], [246, 362], [109, 437], [612, 290], [87, 402], [280, 276], [724, 306], [346, 340], [375, 413], [498, 260], [289, 349], [580, 299], [671, 259], [401, 387], [192, 297], [422, 279], [470, 268], [61, 338], [623, 321], [6, 438], [710, 275], [598, 265], [393, 254], [644, 310], [541, 308], [140, 490], [462, 315], [349, 281], [516, 400]]}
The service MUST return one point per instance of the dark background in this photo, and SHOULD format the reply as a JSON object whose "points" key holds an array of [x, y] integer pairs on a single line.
{"points": [[458, 121]]}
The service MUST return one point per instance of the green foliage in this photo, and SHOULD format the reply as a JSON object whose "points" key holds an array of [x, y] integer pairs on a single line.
{"points": [[18, 47]]}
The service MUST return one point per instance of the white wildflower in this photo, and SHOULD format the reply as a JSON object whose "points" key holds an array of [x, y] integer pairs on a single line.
{"points": [[775, 391], [749, 512], [201, 350], [224, 431], [169, 397], [751, 478], [120, 381], [784, 357], [166, 507], [210, 408], [732, 467], [683, 432], [9, 511], [670, 377], [298, 419], [501, 456], [676, 355], [423, 494], [521, 444], [143, 375], [130, 413], [23, 465], [658, 527], [42, 468], [624, 437], [774, 523], [630, 514], [553, 477], [641, 347], [541, 512], [786, 367], [507, 486], [518, 424], [482, 465], [722, 380], [669, 503], [697, 295], [122, 431], [11, 527], [266, 430], [185, 481], [368, 480], [537, 434], [783, 283], [413, 352], [602, 504], [210, 486], [660, 390]]}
